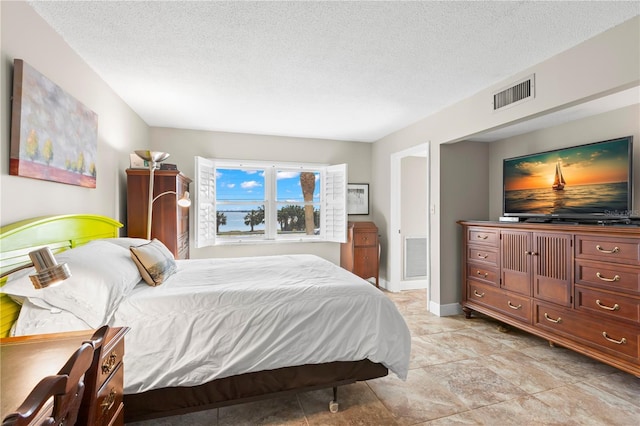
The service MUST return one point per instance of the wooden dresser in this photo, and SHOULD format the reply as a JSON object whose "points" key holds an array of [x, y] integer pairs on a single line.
{"points": [[360, 254], [170, 222], [577, 286], [26, 360]]}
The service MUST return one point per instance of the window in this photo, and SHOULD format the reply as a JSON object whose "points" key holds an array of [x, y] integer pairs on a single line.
{"points": [[258, 201]]}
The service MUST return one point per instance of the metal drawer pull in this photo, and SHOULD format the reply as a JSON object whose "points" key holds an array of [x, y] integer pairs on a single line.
{"points": [[108, 401], [109, 363], [610, 280], [513, 306], [475, 292], [557, 321], [483, 237], [615, 307], [486, 274], [483, 256], [601, 250], [617, 342]]}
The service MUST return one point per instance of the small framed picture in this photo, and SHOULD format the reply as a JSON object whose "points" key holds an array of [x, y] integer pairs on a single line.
{"points": [[357, 198]]}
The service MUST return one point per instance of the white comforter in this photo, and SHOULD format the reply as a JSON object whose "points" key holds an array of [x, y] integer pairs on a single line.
{"points": [[221, 317]]}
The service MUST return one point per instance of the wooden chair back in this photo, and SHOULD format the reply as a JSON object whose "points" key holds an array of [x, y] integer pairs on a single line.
{"points": [[66, 388]]}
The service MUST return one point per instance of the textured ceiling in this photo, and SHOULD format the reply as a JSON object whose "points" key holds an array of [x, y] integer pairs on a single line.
{"points": [[330, 69]]}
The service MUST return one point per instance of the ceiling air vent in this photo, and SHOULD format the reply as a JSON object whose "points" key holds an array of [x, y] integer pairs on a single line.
{"points": [[518, 93]]}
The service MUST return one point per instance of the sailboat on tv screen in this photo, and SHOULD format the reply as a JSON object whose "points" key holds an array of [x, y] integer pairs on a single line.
{"points": [[558, 181]]}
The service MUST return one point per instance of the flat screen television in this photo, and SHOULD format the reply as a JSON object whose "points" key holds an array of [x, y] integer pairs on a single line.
{"points": [[591, 181]]}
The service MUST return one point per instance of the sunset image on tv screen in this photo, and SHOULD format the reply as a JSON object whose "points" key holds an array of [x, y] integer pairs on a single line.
{"points": [[585, 179]]}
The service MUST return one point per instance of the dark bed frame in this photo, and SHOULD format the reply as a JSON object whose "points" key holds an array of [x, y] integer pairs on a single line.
{"points": [[249, 387]]}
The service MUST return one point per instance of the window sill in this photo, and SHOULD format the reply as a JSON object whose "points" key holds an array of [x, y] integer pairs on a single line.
{"points": [[239, 242]]}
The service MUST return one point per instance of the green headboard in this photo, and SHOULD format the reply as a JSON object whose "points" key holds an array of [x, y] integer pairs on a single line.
{"points": [[59, 233]]}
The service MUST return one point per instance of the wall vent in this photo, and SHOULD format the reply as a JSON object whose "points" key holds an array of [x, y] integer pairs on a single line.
{"points": [[519, 92], [415, 257]]}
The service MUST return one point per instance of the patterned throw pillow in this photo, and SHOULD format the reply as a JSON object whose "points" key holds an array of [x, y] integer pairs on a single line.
{"points": [[155, 262]]}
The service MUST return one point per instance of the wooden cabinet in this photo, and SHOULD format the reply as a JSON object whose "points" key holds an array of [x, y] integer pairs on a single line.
{"points": [[28, 359], [360, 254], [576, 285], [170, 222]]}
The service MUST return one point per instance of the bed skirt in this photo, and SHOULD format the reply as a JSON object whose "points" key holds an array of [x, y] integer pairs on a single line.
{"points": [[246, 388]]}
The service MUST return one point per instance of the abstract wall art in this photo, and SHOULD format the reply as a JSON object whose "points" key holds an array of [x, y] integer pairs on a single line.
{"points": [[54, 137]]}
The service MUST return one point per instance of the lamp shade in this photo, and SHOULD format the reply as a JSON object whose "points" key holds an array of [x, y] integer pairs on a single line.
{"points": [[185, 200], [48, 271], [152, 156]]}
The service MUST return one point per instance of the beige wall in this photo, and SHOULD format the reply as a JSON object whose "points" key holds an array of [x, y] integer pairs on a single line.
{"points": [[184, 145], [463, 198], [605, 64], [26, 36]]}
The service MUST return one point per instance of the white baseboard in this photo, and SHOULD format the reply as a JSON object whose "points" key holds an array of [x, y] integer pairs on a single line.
{"points": [[445, 310], [414, 284]]}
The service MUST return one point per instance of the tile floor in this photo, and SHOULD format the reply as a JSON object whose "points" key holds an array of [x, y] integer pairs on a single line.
{"points": [[463, 372]]}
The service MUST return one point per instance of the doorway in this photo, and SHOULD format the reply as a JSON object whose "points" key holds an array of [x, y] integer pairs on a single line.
{"points": [[409, 220]]}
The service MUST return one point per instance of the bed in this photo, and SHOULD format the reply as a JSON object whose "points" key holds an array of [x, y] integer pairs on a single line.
{"points": [[214, 332]]}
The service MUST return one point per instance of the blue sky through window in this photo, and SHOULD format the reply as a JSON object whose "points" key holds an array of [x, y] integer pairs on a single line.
{"points": [[238, 185], [249, 185], [288, 187]]}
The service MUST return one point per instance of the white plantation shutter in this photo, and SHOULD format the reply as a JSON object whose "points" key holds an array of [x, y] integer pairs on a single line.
{"points": [[334, 211], [205, 201]]}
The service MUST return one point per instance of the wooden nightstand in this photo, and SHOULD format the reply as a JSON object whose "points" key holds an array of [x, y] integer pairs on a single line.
{"points": [[360, 254], [25, 360]]}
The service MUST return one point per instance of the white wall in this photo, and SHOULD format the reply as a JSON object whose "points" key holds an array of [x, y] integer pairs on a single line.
{"points": [[605, 64], [414, 201], [184, 145], [27, 36]]}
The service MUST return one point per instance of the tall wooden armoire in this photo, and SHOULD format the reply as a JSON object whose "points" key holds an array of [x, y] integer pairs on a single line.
{"points": [[170, 222]]}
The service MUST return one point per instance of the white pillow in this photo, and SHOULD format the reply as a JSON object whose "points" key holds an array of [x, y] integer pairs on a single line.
{"points": [[102, 274], [127, 242], [40, 320]]}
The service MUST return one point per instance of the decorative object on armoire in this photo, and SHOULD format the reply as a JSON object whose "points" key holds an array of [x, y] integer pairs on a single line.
{"points": [[169, 199], [358, 198], [54, 137], [361, 253], [152, 158]]}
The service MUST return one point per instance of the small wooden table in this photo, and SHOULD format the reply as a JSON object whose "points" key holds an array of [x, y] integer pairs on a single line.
{"points": [[26, 360]]}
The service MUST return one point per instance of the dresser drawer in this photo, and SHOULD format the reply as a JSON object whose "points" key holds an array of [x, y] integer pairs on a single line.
{"points": [[606, 303], [608, 249], [109, 398], [110, 359], [607, 336], [483, 273], [487, 236], [608, 276], [118, 420], [365, 239], [483, 255], [509, 304]]}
